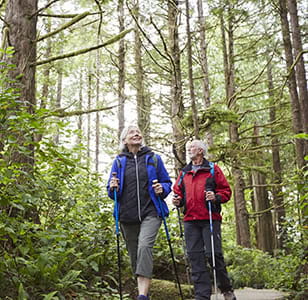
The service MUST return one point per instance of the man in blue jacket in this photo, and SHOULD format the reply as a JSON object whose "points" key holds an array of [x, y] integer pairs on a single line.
{"points": [[139, 211]]}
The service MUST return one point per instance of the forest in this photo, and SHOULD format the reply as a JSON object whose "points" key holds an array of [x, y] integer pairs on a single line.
{"points": [[74, 73]]}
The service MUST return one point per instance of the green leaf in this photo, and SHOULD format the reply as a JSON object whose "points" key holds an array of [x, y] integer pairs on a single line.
{"points": [[22, 295], [50, 296]]}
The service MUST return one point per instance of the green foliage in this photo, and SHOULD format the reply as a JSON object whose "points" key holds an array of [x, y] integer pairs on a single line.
{"points": [[56, 228], [254, 268]]}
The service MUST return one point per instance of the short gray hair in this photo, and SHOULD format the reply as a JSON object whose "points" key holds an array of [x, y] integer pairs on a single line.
{"points": [[124, 134], [200, 144]]}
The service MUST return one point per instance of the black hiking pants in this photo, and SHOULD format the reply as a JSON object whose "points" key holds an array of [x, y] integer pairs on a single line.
{"points": [[198, 244]]}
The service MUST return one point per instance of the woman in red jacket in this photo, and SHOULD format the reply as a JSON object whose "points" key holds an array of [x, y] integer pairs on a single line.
{"points": [[199, 182]]}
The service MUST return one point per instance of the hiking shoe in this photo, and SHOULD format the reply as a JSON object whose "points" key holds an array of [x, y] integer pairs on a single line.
{"points": [[229, 296], [142, 297]]}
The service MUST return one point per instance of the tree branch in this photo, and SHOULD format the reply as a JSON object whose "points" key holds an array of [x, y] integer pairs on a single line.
{"points": [[291, 69], [61, 113], [67, 16], [43, 8], [82, 51], [66, 25]]}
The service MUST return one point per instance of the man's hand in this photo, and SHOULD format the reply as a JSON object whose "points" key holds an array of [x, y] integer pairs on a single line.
{"points": [[210, 196], [176, 200]]}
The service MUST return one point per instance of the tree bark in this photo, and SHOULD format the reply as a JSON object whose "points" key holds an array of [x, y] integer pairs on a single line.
{"points": [[241, 214], [89, 115], [264, 224], [143, 105], [190, 74], [58, 99], [279, 210], [299, 68], [97, 115], [177, 107], [22, 33], [296, 114], [80, 105], [204, 67], [121, 70]]}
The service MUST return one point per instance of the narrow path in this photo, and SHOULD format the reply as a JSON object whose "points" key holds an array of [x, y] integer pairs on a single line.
{"points": [[254, 294]]}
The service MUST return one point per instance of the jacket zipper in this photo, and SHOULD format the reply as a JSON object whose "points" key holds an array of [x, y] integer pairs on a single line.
{"points": [[138, 194]]}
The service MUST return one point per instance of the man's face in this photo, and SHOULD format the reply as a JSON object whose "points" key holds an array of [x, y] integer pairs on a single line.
{"points": [[194, 151], [133, 137]]}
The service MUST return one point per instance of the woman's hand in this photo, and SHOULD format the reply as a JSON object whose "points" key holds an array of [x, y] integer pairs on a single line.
{"points": [[158, 189], [114, 183]]}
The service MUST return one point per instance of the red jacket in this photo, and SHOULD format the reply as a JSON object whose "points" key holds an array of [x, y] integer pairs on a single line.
{"points": [[191, 188]]}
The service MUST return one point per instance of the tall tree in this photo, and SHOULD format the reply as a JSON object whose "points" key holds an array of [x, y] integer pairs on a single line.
{"points": [[264, 224], [297, 123], [89, 106], [177, 107], [300, 66], [121, 69], [97, 114], [242, 223], [279, 210], [21, 17], [190, 73], [204, 65], [143, 104]]}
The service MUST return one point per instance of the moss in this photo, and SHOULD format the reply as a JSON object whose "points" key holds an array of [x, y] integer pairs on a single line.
{"points": [[163, 289]]}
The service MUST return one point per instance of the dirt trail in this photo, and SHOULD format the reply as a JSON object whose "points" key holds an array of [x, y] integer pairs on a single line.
{"points": [[254, 294]]}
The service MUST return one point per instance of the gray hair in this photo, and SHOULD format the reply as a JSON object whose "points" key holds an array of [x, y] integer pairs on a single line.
{"points": [[124, 134], [200, 144]]}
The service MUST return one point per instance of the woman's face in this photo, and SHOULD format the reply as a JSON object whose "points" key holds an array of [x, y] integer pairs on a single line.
{"points": [[133, 137]]}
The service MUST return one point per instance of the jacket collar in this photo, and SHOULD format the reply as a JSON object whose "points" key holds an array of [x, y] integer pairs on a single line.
{"points": [[205, 165]]}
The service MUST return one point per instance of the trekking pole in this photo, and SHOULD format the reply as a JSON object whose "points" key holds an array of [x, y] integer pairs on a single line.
{"points": [[210, 187], [114, 174], [169, 242]]}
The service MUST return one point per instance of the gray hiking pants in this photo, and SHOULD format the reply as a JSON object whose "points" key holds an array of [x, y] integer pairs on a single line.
{"points": [[140, 239]]}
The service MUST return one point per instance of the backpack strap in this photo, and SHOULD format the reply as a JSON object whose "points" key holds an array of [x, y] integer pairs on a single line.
{"points": [[181, 178], [118, 162], [212, 168], [155, 160]]}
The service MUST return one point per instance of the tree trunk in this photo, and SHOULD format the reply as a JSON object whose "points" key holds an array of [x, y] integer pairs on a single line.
{"points": [[177, 107], [190, 74], [58, 100], [97, 115], [89, 116], [143, 107], [265, 230], [22, 33], [296, 114], [279, 210], [204, 67], [241, 214], [121, 71], [300, 66], [80, 105], [46, 72]]}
